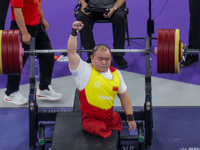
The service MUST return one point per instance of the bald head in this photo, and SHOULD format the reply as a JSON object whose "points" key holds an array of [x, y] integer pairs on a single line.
{"points": [[97, 47]]}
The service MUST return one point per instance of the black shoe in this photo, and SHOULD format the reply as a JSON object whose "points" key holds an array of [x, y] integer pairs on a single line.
{"points": [[120, 61], [89, 60], [189, 60]]}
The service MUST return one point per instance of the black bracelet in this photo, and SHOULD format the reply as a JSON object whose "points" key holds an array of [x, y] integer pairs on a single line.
{"points": [[74, 33], [130, 118]]}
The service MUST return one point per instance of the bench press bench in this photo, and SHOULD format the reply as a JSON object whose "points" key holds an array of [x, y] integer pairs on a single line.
{"points": [[68, 134]]}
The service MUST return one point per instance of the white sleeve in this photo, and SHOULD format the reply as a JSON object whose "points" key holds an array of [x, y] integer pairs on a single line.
{"points": [[82, 74], [123, 86]]}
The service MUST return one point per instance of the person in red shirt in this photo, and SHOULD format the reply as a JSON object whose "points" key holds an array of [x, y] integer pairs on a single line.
{"points": [[27, 16]]}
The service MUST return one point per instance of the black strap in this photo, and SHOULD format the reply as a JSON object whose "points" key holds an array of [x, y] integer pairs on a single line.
{"points": [[130, 118], [74, 33]]}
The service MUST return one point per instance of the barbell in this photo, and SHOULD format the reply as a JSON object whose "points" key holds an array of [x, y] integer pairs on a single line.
{"points": [[169, 51]]}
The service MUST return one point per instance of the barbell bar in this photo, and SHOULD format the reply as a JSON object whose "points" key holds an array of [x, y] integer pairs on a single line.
{"points": [[65, 50], [169, 51]]}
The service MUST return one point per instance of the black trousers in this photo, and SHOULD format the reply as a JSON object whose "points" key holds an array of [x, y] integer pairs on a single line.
{"points": [[46, 61], [3, 12], [118, 25], [194, 29]]}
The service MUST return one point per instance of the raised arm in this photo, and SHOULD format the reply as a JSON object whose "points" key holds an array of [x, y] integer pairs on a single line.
{"points": [[73, 57], [127, 106]]}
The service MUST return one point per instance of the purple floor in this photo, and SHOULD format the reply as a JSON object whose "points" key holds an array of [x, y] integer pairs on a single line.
{"points": [[174, 128]]}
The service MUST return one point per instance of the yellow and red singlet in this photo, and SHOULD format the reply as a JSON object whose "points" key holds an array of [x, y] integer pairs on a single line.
{"points": [[97, 99]]}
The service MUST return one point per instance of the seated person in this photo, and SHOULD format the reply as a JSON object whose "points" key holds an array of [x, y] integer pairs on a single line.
{"points": [[116, 16], [98, 84], [194, 33]]}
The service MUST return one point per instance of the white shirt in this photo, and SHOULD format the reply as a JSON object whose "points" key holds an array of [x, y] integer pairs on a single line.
{"points": [[83, 72]]}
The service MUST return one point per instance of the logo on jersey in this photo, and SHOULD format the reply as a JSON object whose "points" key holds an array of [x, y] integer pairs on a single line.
{"points": [[39, 9], [97, 84], [105, 97]]}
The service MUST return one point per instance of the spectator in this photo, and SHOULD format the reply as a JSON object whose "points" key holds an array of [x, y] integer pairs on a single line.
{"points": [[116, 16], [194, 33]]}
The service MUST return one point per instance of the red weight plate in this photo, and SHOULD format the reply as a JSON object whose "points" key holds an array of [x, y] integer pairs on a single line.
{"points": [[4, 52], [10, 52], [171, 50], [1, 66], [165, 59], [18, 60], [160, 50], [21, 54]]}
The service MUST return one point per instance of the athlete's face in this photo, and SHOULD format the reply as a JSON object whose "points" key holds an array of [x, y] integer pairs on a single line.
{"points": [[101, 59]]}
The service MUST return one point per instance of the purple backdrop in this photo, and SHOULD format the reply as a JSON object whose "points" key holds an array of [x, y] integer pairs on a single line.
{"points": [[166, 14]]}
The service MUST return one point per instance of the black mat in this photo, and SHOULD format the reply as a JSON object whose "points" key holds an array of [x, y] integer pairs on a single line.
{"points": [[69, 135]]}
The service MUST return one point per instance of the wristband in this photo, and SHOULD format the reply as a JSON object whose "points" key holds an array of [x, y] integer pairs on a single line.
{"points": [[74, 33], [130, 118], [115, 8]]}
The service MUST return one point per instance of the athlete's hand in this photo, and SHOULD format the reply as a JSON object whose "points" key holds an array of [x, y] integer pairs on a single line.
{"points": [[132, 125], [77, 25]]}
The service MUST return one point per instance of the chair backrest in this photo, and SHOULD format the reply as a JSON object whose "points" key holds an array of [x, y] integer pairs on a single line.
{"points": [[102, 21]]}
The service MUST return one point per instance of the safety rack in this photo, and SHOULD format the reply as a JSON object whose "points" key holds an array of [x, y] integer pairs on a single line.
{"points": [[36, 116]]}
